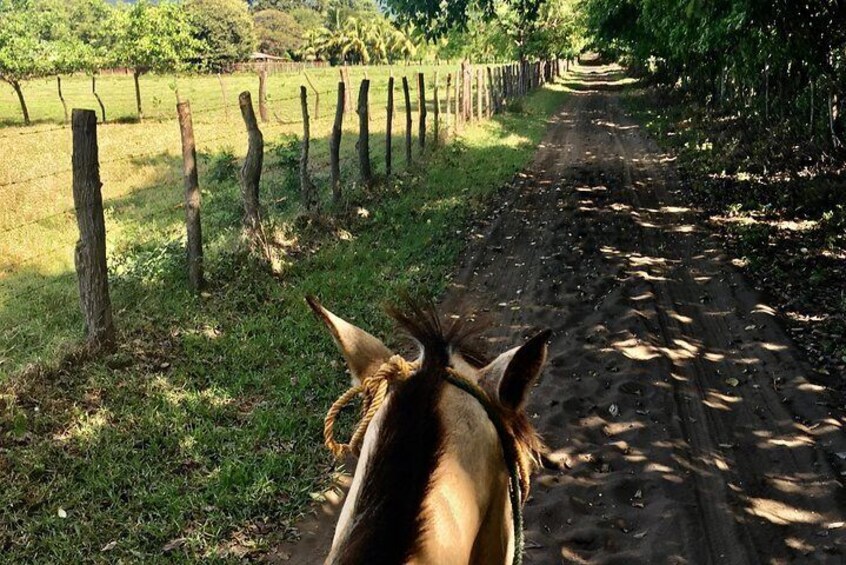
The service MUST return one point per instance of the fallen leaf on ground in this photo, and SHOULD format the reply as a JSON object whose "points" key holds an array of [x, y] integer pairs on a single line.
{"points": [[173, 544]]}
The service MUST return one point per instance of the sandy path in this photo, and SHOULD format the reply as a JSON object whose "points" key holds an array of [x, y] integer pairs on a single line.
{"points": [[681, 409]]}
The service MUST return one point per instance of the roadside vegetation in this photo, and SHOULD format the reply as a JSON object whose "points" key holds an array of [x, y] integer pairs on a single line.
{"points": [[750, 98], [200, 436]]}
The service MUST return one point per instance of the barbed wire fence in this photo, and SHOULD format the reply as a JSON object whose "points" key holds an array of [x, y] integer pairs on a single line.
{"points": [[345, 138]]}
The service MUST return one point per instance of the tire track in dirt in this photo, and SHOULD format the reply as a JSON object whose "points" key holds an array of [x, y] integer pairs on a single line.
{"points": [[684, 420], [682, 411]]}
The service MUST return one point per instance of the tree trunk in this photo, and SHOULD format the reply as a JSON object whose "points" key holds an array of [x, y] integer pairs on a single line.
{"points": [[24, 110], [97, 96], [135, 76], [61, 97]]}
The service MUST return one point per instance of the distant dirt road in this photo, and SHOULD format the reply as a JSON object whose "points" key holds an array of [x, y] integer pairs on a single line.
{"points": [[689, 427]]}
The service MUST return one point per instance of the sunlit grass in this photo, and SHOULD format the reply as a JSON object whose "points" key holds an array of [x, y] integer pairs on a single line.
{"points": [[202, 433], [140, 166]]}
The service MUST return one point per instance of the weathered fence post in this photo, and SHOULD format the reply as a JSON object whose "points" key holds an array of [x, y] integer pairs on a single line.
{"points": [[437, 102], [467, 94], [61, 97], [250, 174], [389, 127], [308, 193], [364, 134], [345, 76], [408, 123], [193, 230], [335, 144], [263, 95], [97, 96], [457, 113], [489, 93], [316, 97], [448, 122], [421, 89], [90, 252], [479, 92], [224, 96]]}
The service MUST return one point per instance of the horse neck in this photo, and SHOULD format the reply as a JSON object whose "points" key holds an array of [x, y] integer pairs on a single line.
{"points": [[468, 518]]}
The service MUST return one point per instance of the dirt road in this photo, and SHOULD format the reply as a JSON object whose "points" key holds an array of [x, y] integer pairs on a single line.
{"points": [[686, 423]]}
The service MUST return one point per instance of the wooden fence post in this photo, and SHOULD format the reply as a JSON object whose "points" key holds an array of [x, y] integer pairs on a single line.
{"points": [[489, 93], [251, 169], [408, 123], [437, 110], [97, 96], [307, 188], [479, 91], [467, 94], [224, 96], [389, 127], [61, 97], [345, 76], [457, 113], [90, 252], [316, 97], [364, 134], [194, 232], [421, 90], [263, 95], [448, 122], [335, 144]]}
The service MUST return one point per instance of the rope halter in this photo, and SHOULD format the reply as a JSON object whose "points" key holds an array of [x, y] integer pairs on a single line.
{"points": [[374, 390]]}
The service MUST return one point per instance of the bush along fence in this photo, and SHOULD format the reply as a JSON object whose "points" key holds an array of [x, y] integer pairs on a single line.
{"points": [[470, 94]]}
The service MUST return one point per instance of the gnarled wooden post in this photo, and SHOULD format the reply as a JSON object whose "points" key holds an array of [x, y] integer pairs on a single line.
{"points": [[408, 122], [389, 128], [263, 95], [194, 232], [437, 107], [335, 144], [307, 188], [421, 89], [479, 94], [90, 252], [250, 174], [448, 123], [364, 134]]}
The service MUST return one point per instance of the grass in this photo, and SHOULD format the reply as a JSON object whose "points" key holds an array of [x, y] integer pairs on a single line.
{"points": [[141, 173], [199, 439]]}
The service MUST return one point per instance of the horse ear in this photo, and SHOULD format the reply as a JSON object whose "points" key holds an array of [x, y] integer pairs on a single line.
{"points": [[363, 352], [511, 374]]}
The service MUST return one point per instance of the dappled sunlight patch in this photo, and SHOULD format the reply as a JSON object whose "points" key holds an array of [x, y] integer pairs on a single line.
{"points": [[86, 427], [182, 396], [781, 513]]}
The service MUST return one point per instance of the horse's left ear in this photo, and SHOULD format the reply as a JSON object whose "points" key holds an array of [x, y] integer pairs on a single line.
{"points": [[511, 374], [363, 352]]}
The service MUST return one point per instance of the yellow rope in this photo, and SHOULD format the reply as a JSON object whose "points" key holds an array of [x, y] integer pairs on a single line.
{"points": [[373, 389]]}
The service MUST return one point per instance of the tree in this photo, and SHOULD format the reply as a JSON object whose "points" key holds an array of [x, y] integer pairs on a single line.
{"points": [[153, 38], [23, 54], [279, 33], [223, 29], [35, 41], [438, 18]]}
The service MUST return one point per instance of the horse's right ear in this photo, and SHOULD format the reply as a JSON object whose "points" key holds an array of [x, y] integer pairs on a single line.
{"points": [[363, 352]]}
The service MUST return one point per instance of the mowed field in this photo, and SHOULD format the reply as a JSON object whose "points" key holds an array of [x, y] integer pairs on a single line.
{"points": [[140, 166]]}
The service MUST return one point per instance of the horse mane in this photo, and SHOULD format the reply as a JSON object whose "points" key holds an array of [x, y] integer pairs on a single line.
{"points": [[389, 521]]}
